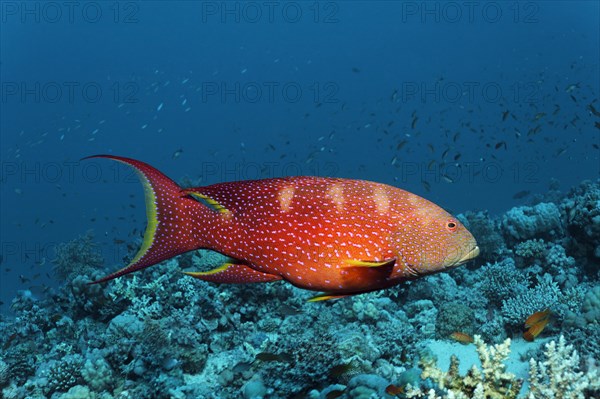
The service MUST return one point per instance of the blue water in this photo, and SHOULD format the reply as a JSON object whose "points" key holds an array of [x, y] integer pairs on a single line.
{"points": [[318, 82], [496, 94]]}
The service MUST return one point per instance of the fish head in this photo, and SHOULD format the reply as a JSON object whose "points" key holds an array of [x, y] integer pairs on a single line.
{"points": [[430, 240]]}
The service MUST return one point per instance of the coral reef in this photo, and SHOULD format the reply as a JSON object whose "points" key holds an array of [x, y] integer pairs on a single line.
{"points": [[76, 258], [540, 221], [582, 210], [453, 317], [491, 381], [558, 376], [159, 334]]}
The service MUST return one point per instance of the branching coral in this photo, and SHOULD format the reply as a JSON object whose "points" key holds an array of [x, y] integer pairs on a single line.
{"points": [[500, 281], [546, 294], [489, 382], [535, 248], [558, 377], [64, 374]]}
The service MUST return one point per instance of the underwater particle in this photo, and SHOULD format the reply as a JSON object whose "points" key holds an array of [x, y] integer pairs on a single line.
{"points": [[447, 178], [521, 194], [160, 106], [177, 153]]}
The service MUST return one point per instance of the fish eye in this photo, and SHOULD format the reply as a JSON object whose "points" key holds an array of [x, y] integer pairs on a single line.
{"points": [[451, 225]]}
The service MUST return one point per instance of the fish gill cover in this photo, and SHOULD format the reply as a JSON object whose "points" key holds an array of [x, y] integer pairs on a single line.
{"points": [[488, 110]]}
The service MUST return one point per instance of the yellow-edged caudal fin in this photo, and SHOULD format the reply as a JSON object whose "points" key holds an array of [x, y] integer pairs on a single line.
{"points": [[366, 263], [151, 217], [167, 232]]}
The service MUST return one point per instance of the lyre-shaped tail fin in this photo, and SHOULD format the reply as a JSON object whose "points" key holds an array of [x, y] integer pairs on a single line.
{"points": [[168, 232]]}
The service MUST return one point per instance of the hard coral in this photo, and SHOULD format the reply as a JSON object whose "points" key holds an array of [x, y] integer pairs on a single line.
{"points": [[501, 281], [78, 257], [524, 223], [558, 377], [64, 374], [582, 210], [487, 231], [489, 382], [453, 317], [546, 294], [4, 374]]}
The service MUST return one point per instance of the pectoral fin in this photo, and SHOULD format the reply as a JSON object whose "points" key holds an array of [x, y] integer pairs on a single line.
{"points": [[233, 273]]}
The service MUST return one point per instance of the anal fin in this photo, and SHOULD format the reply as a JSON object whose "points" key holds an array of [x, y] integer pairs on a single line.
{"points": [[326, 296], [234, 273]]}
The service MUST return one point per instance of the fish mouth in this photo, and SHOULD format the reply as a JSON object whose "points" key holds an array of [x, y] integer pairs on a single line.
{"points": [[473, 253]]}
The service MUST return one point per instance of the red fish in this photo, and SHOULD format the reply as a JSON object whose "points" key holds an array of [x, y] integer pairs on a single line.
{"points": [[461, 337], [394, 390], [537, 317], [536, 324], [335, 235]]}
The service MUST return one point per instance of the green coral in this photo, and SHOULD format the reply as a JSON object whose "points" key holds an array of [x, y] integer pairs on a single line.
{"points": [[454, 317], [535, 248]]}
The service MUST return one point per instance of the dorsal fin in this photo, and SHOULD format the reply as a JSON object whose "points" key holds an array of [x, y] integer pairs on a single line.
{"points": [[207, 201]]}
